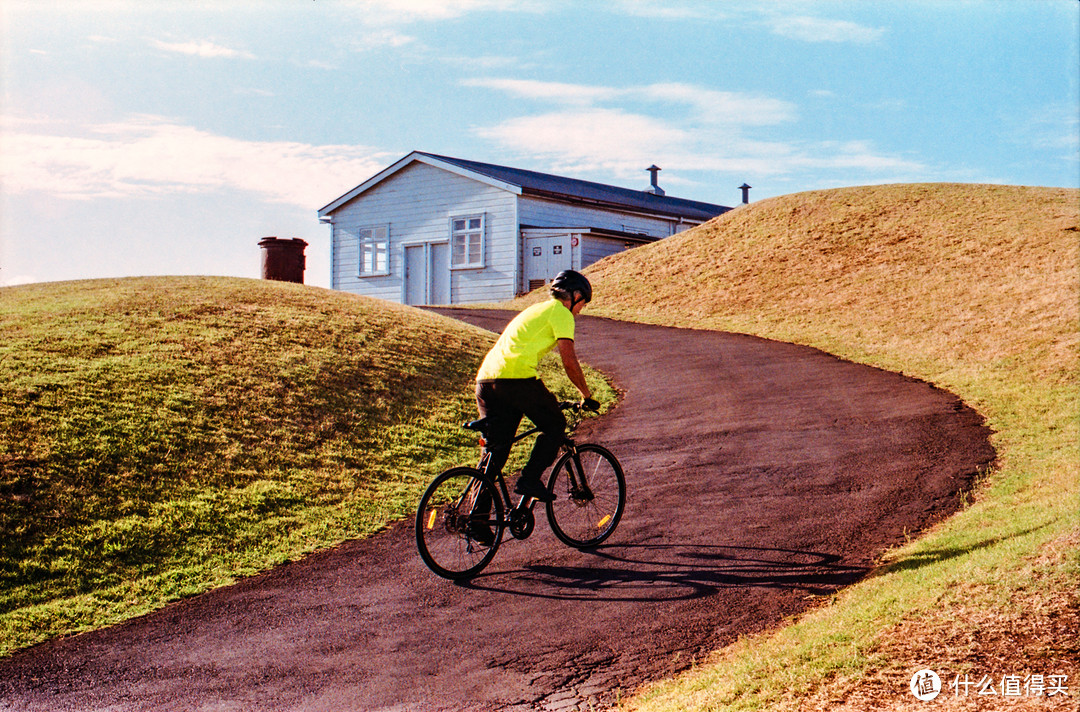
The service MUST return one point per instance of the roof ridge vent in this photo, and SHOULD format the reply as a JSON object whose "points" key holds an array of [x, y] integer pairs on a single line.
{"points": [[655, 188]]}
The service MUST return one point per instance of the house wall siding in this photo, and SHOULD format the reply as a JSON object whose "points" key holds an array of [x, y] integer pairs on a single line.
{"points": [[417, 203], [594, 248], [549, 213]]}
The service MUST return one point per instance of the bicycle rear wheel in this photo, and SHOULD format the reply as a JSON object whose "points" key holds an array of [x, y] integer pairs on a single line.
{"points": [[459, 523], [588, 501]]}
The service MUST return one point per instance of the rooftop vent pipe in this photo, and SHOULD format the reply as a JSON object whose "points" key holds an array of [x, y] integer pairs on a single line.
{"points": [[655, 188], [745, 193]]}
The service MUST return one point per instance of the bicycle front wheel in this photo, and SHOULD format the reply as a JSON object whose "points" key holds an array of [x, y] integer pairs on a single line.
{"points": [[459, 523], [590, 493]]}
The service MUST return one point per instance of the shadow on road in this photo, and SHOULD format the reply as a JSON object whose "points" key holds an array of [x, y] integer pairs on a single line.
{"points": [[929, 557], [668, 572]]}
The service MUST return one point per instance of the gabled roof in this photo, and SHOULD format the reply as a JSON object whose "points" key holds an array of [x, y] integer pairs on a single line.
{"points": [[544, 185]]}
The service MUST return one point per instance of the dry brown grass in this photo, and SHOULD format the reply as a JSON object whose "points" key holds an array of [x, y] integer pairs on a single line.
{"points": [[975, 288], [1036, 632], [941, 270]]}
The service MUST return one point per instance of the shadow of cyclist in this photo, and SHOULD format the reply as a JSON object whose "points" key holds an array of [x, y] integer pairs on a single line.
{"points": [[668, 572]]}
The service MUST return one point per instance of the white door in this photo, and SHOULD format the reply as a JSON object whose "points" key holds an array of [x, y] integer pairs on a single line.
{"points": [[416, 274], [545, 257], [427, 274], [439, 277]]}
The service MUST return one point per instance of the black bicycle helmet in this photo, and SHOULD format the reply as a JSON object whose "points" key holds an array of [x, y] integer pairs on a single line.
{"points": [[569, 281]]}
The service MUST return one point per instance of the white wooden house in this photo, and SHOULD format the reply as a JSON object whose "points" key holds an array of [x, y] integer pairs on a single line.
{"points": [[438, 230]]}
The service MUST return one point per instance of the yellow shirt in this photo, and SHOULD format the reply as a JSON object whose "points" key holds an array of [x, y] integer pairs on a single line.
{"points": [[526, 339]]}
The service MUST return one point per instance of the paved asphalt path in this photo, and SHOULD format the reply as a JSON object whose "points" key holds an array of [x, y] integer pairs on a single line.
{"points": [[760, 476]]}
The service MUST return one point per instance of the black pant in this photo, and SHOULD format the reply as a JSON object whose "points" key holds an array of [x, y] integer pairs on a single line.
{"points": [[503, 402]]}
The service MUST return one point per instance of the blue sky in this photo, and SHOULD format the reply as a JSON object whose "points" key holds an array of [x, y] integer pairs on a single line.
{"points": [[150, 137]]}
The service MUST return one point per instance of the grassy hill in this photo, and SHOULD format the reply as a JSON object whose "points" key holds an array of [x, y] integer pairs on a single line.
{"points": [[974, 288], [162, 436]]}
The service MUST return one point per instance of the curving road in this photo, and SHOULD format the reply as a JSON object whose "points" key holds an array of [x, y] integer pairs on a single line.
{"points": [[760, 476]]}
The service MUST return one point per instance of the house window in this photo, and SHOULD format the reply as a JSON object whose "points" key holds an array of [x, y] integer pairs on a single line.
{"points": [[467, 241], [374, 250]]}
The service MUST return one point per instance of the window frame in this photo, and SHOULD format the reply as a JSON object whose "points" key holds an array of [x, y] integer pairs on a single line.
{"points": [[467, 234], [372, 242]]}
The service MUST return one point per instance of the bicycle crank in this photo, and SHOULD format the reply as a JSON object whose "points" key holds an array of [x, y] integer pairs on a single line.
{"points": [[521, 522]]}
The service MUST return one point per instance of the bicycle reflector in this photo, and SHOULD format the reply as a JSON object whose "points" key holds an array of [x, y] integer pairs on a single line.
{"points": [[600, 524], [431, 519]]}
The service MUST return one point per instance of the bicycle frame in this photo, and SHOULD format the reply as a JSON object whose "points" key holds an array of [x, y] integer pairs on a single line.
{"points": [[568, 445]]}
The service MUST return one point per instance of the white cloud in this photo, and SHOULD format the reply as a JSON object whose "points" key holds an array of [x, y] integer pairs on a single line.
{"points": [[593, 138], [616, 143], [149, 156], [815, 29], [711, 106], [1055, 129], [386, 12], [253, 91], [723, 107], [854, 155], [546, 91], [700, 10], [608, 130], [384, 38], [489, 62], [17, 280], [203, 48], [623, 144], [398, 12]]}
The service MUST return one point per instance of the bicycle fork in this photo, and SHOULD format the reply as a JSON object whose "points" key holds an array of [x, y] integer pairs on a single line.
{"points": [[578, 488]]}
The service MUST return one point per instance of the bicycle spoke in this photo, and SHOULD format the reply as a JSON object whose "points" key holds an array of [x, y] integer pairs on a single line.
{"points": [[459, 524], [588, 503]]}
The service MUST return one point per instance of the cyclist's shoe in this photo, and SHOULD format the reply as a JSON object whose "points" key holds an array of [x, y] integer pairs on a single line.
{"points": [[533, 488], [481, 534]]}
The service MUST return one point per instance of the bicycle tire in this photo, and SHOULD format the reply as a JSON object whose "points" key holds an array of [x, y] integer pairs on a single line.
{"points": [[446, 532], [584, 520]]}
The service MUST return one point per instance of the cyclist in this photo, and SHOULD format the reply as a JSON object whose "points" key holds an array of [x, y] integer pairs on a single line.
{"points": [[508, 386]]}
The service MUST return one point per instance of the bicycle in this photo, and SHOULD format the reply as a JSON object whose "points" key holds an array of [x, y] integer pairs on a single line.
{"points": [[465, 511]]}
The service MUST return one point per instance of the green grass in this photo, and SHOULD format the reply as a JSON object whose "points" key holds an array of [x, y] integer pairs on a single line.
{"points": [[163, 436], [973, 288]]}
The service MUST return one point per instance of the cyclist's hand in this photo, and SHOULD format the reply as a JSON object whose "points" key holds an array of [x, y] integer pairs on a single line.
{"points": [[590, 404]]}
